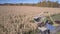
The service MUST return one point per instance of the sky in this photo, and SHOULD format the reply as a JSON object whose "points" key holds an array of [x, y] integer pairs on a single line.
{"points": [[23, 1]]}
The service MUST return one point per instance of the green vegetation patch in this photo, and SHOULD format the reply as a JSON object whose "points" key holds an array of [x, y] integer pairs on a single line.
{"points": [[56, 16], [58, 32]]}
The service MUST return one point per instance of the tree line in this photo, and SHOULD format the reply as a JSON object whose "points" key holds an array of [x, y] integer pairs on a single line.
{"points": [[48, 4], [39, 4]]}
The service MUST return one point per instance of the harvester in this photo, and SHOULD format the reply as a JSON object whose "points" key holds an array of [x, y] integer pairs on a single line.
{"points": [[41, 19]]}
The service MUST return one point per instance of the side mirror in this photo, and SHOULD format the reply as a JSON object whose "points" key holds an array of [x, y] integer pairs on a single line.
{"points": [[37, 19]]}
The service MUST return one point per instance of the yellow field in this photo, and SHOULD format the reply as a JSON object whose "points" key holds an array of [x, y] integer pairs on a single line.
{"points": [[15, 19], [28, 10]]}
